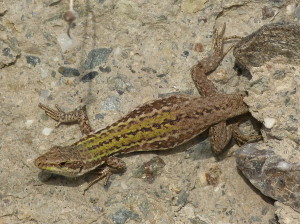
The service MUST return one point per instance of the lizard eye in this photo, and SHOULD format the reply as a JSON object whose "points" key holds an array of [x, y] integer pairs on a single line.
{"points": [[62, 164]]}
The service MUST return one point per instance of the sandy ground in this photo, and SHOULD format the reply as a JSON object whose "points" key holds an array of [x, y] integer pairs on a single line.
{"points": [[122, 54]]}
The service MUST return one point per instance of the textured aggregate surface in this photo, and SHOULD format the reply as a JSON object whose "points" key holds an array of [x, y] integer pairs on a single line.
{"points": [[122, 53]]}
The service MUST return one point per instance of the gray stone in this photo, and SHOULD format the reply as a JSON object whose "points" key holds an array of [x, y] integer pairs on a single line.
{"points": [[33, 60], [297, 12], [285, 214], [121, 216], [271, 174], [99, 116], [277, 39], [89, 76], [120, 83], [68, 72], [9, 49], [105, 69], [111, 103], [45, 94], [96, 57], [182, 198], [267, 12]]}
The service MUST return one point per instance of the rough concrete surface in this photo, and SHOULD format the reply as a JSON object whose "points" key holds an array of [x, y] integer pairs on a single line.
{"points": [[122, 53]]}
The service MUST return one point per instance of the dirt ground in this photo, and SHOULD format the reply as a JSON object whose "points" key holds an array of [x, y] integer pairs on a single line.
{"points": [[121, 54]]}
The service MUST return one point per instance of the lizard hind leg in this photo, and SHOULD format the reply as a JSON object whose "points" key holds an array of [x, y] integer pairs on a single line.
{"points": [[220, 135], [210, 63]]}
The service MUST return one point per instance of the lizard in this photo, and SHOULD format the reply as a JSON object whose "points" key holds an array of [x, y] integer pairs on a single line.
{"points": [[158, 125]]}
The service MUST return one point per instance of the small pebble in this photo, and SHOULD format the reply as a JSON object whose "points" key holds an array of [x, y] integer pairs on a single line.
{"points": [[124, 185], [45, 93], [202, 179], [44, 73], [119, 83], [89, 76], [105, 69], [297, 12], [64, 41], [6, 51], [47, 131], [29, 123], [269, 122], [96, 57], [117, 51], [123, 215], [290, 9], [198, 47], [182, 198], [284, 166], [33, 60], [267, 12], [185, 54], [111, 103], [68, 72], [99, 116]]}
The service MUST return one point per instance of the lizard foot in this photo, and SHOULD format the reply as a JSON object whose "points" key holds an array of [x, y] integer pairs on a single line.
{"points": [[242, 139]]}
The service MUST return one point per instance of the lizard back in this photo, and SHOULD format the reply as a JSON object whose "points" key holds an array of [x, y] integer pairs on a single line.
{"points": [[162, 124]]}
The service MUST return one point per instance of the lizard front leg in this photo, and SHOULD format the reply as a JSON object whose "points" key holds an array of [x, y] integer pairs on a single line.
{"points": [[77, 116], [113, 165]]}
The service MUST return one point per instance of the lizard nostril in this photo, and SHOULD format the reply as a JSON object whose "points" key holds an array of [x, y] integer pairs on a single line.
{"points": [[37, 162]]}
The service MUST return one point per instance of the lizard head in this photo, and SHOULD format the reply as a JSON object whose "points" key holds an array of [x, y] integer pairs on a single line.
{"points": [[64, 161]]}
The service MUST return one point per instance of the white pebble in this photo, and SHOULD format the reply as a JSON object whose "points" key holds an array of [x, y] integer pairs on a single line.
{"points": [[269, 122], [117, 51], [64, 41], [202, 179], [47, 131], [284, 166], [53, 84], [290, 9], [29, 123], [44, 73], [124, 185]]}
